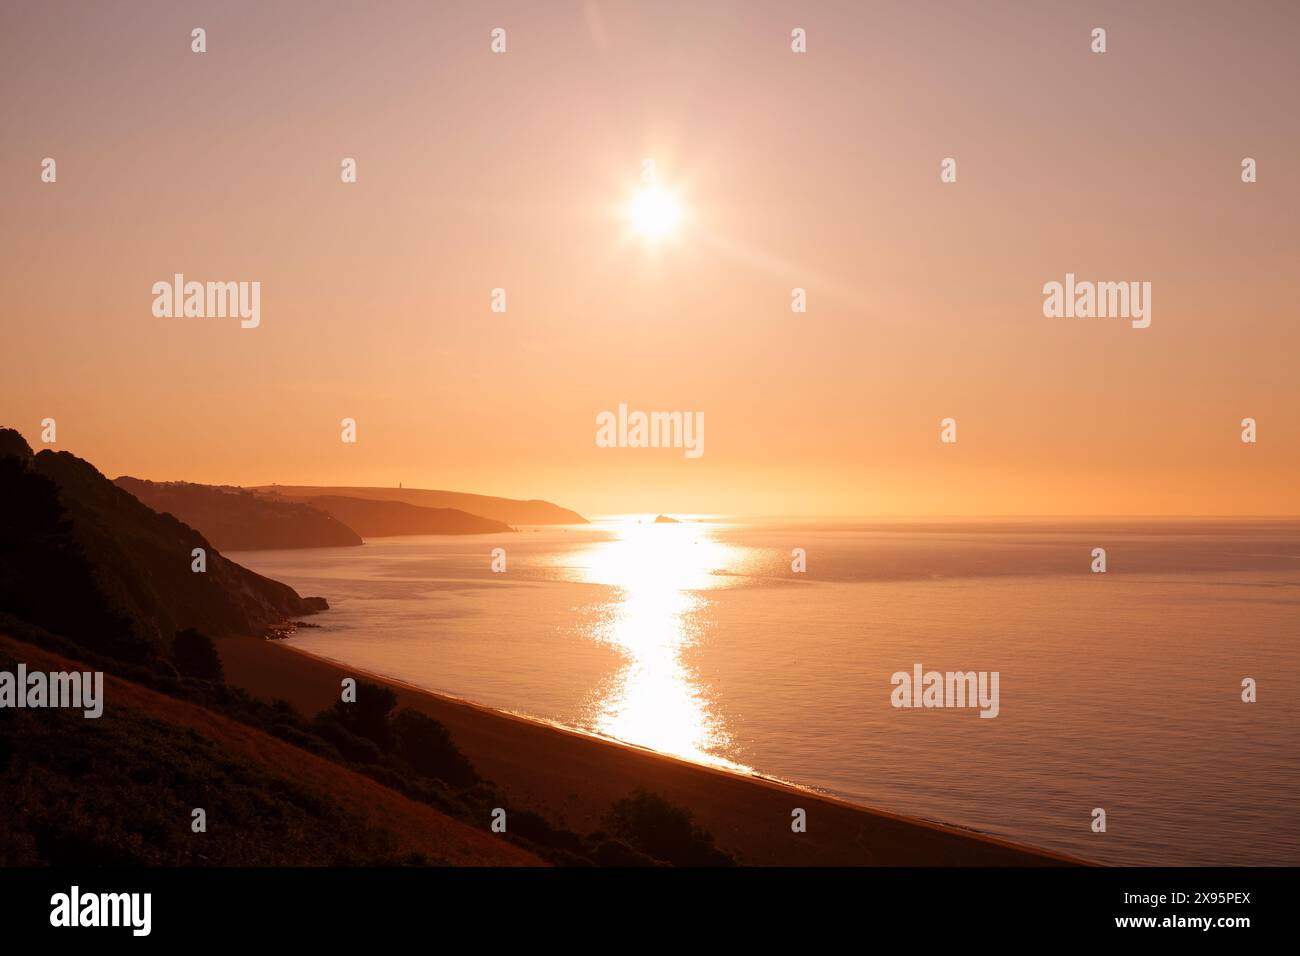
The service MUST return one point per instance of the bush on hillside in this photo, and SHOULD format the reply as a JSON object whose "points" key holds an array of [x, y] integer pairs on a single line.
{"points": [[196, 656], [425, 744], [652, 825]]}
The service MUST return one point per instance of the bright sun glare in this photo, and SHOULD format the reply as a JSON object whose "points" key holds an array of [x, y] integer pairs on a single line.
{"points": [[661, 574], [654, 212]]}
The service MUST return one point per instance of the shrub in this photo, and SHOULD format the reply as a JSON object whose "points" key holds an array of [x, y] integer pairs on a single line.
{"points": [[357, 749], [649, 823], [367, 716], [425, 744], [196, 656]]}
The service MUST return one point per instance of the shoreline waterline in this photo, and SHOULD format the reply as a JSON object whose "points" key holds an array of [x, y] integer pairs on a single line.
{"points": [[698, 640], [260, 667]]}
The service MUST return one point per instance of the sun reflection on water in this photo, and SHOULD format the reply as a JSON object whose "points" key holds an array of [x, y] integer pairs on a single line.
{"points": [[657, 614]]}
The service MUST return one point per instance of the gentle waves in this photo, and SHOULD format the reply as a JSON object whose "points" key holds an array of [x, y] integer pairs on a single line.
{"points": [[1119, 690]]}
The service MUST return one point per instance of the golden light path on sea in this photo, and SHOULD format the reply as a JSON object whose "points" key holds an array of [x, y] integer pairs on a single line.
{"points": [[658, 571]]}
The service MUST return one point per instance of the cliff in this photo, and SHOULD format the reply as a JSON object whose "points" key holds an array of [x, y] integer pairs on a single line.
{"points": [[234, 519], [375, 519], [82, 557], [507, 510]]}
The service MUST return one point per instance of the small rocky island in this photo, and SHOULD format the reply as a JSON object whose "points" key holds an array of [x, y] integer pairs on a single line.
{"points": [[664, 519]]}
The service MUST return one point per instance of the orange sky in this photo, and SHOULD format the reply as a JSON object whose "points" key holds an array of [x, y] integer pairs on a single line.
{"points": [[820, 170]]}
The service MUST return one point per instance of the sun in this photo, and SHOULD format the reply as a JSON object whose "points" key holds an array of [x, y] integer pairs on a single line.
{"points": [[654, 212]]}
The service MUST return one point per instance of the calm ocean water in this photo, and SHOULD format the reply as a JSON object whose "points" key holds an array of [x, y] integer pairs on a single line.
{"points": [[1119, 690]]}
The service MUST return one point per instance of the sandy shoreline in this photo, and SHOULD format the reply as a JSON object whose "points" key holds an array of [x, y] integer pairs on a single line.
{"points": [[573, 778]]}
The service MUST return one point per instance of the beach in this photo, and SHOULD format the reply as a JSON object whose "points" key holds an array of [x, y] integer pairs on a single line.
{"points": [[573, 778]]}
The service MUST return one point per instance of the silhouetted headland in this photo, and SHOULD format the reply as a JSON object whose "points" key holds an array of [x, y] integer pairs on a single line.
{"points": [[508, 510], [235, 519], [377, 519]]}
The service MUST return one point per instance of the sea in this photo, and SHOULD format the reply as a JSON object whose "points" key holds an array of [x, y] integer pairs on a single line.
{"points": [[1162, 691]]}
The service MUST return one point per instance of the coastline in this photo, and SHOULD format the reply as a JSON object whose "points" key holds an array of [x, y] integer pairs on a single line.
{"points": [[572, 778]]}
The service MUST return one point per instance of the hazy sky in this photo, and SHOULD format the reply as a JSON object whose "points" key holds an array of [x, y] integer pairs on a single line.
{"points": [[820, 170]]}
